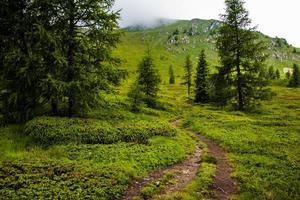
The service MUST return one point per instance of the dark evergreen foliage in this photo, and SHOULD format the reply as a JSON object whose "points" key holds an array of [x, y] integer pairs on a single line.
{"points": [[295, 79], [171, 75], [277, 74], [188, 68], [242, 55], [148, 79], [57, 53], [201, 81], [271, 73]]}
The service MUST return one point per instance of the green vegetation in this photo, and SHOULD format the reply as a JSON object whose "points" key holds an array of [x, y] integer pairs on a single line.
{"points": [[264, 147], [201, 82], [61, 64], [154, 188], [199, 188], [81, 170], [188, 68], [148, 80], [60, 68], [49, 131], [171, 75], [242, 57], [295, 80]]}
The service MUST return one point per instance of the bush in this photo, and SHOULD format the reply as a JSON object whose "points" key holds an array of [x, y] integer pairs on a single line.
{"points": [[49, 130], [52, 180]]}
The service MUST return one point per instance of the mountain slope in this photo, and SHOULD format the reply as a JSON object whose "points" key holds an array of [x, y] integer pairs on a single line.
{"points": [[171, 42]]}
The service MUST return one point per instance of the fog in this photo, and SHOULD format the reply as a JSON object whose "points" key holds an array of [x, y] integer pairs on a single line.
{"points": [[275, 18]]}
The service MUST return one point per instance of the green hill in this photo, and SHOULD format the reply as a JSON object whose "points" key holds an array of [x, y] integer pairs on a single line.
{"points": [[170, 42]]}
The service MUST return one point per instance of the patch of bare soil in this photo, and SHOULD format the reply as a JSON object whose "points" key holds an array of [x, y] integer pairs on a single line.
{"points": [[223, 187], [184, 173]]}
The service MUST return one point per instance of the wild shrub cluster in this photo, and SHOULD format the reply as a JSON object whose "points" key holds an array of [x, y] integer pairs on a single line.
{"points": [[52, 180], [50, 130]]}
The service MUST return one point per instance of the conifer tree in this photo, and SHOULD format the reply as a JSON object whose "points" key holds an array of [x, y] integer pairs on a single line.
{"points": [[148, 79], [295, 79], [271, 73], [89, 31], [222, 89], [201, 82], [171, 75], [241, 55], [136, 96], [188, 68], [56, 50], [21, 62], [288, 75], [277, 74]]}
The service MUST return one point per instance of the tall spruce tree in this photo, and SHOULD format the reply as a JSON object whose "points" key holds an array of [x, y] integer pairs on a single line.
{"points": [[295, 78], [171, 75], [242, 55], [201, 81], [148, 79], [188, 68]]}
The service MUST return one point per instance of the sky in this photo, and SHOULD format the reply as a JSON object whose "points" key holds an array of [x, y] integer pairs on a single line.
{"points": [[279, 18]]}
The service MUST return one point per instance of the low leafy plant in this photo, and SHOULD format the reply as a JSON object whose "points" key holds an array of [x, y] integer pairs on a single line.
{"points": [[50, 130]]}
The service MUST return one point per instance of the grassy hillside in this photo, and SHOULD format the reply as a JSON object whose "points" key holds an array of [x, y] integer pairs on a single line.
{"points": [[170, 47], [97, 157]]}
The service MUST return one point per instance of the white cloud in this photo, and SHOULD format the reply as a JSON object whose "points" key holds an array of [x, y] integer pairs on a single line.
{"points": [[273, 17]]}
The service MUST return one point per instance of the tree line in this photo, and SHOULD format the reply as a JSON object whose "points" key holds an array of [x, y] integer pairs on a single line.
{"points": [[242, 77], [56, 57]]}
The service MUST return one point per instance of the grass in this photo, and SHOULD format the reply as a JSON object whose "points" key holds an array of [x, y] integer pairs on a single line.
{"points": [[264, 147], [199, 188], [103, 171], [96, 158]]}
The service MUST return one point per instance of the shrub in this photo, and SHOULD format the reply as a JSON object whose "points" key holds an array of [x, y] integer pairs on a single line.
{"points": [[52, 180], [49, 130]]}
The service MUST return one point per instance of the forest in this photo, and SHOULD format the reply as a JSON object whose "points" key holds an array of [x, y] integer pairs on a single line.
{"points": [[186, 109]]}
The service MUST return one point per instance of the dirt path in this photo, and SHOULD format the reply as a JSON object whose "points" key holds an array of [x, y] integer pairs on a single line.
{"points": [[223, 185], [184, 173]]}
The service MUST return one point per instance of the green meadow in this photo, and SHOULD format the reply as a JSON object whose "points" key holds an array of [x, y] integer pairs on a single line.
{"points": [[97, 157]]}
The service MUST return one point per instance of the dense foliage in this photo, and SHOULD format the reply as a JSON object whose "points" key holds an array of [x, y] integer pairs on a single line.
{"points": [[56, 53], [188, 71], [148, 79], [171, 75], [48, 131], [201, 82], [295, 79], [242, 56]]}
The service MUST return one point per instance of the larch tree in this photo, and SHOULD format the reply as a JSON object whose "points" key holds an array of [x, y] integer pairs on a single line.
{"points": [[21, 61], [188, 71], [201, 80], [54, 51], [89, 30], [242, 55]]}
